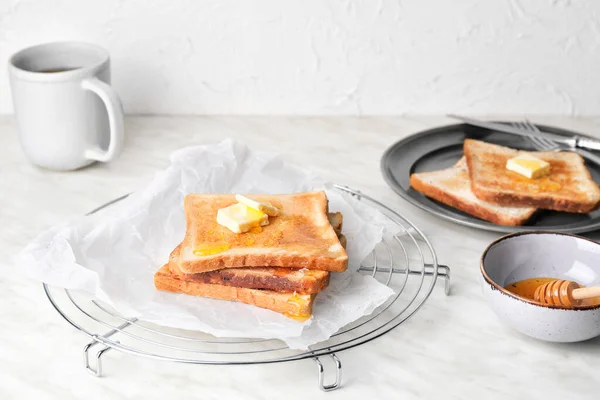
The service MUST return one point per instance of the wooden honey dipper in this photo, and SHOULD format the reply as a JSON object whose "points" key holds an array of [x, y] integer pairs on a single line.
{"points": [[564, 293]]}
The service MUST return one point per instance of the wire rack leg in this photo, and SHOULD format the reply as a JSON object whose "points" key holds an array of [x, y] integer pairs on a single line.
{"points": [[338, 374], [444, 272], [86, 359], [86, 350]]}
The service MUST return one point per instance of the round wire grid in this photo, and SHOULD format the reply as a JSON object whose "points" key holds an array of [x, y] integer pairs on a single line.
{"points": [[406, 262]]}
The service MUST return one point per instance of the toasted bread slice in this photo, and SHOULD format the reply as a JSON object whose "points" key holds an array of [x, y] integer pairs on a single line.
{"points": [[303, 281], [343, 240], [292, 305], [336, 220], [452, 186], [569, 187], [299, 237]]}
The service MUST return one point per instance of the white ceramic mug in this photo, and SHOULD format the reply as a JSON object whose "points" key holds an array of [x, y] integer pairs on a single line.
{"points": [[67, 114]]}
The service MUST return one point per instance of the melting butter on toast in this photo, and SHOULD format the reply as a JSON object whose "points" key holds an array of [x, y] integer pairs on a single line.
{"points": [[300, 236], [569, 186], [452, 186]]}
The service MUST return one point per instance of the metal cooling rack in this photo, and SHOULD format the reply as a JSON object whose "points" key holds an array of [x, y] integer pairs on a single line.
{"points": [[406, 262]]}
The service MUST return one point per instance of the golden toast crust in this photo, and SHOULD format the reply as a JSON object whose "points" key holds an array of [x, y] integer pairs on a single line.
{"points": [[299, 237], [296, 306], [460, 203], [268, 278], [569, 187], [336, 219]]}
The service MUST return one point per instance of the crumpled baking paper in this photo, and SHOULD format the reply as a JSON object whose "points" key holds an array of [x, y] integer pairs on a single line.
{"points": [[114, 254]]}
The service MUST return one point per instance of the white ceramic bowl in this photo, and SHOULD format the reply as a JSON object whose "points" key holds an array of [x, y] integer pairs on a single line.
{"points": [[542, 254]]}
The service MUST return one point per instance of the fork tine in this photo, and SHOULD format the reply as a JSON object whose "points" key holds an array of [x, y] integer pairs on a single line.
{"points": [[533, 128], [535, 137], [516, 125], [537, 143], [547, 145], [531, 125], [548, 141]]}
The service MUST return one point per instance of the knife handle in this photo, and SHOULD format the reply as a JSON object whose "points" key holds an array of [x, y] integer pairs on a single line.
{"points": [[585, 143]]}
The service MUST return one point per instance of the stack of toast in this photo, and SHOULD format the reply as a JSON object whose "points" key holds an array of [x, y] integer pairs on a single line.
{"points": [[481, 185], [281, 266]]}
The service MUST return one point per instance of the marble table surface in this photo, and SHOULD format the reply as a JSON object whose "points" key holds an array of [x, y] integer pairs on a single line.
{"points": [[453, 348]]}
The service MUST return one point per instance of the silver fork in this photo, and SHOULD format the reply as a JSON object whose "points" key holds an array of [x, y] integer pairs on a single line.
{"points": [[542, 143], [536, 137]]}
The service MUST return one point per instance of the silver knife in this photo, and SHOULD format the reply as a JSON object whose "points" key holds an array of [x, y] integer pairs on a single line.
{"points": [[570, 141]]}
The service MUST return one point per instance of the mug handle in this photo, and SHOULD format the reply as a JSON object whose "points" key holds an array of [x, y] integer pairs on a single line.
{"points": [[114, 109]]}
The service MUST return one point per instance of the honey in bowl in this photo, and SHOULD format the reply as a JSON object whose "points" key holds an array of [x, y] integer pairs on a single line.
{"points": [[526, 289]]}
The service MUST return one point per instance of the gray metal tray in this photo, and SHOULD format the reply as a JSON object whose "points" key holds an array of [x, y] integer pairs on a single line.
{"points": [[441, 147]]}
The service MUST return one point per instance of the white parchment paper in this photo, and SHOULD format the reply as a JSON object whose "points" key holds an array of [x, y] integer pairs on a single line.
{"points": [[115, 253]]}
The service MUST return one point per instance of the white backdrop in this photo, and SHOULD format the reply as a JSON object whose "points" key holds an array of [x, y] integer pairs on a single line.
{"points": [[326, 57]]}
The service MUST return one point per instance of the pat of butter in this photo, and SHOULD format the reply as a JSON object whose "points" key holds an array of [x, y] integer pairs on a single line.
{"points": [[240, 218], [257, 205], [528, 166]]}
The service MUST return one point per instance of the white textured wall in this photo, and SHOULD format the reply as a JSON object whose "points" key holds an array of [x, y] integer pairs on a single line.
{"points": [[330, 57]]}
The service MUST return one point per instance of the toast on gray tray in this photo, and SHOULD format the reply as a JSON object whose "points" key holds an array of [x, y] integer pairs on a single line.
{"points": [[452, 186], [569, 186]]}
